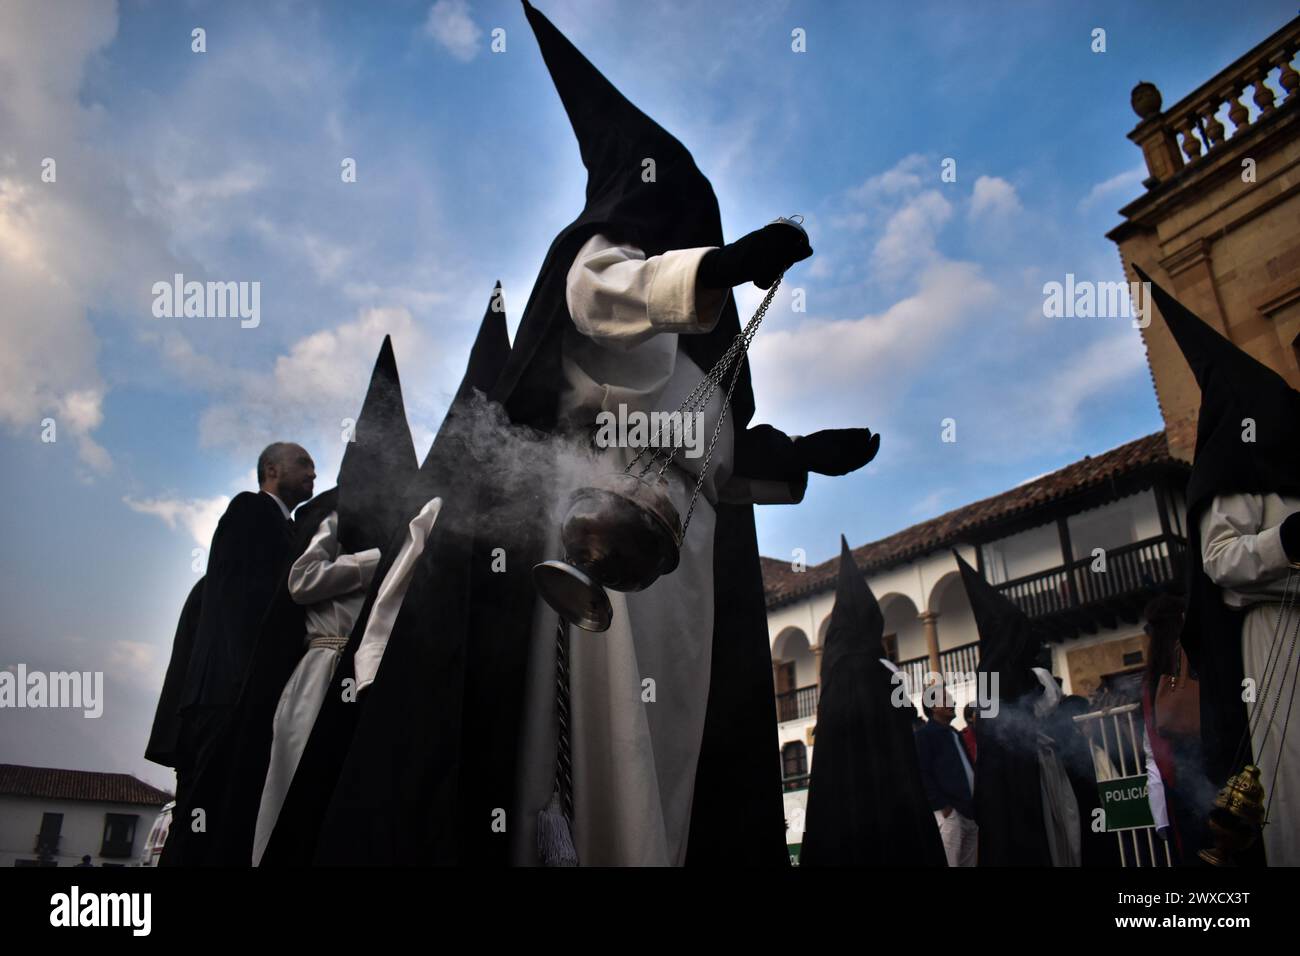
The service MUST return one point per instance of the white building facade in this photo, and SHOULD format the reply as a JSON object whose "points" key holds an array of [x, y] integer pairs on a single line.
{"points": [[52, 817]]}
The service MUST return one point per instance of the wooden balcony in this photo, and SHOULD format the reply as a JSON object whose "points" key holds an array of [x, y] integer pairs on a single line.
{"points": [[955, 660], [797, 704], [1073, 598]]}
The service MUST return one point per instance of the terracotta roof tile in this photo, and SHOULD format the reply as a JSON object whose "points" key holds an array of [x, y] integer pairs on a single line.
{"points": [[53, 784], [783, 585]]}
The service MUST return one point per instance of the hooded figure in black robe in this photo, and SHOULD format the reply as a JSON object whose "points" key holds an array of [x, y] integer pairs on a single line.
{"points": [[378, 461], [331, 813], [439, 773], [866, 802], [1239, 396], [1008, 799]]}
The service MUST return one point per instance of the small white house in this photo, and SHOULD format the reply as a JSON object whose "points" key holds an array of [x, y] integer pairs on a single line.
{"points": [[52, 817]]}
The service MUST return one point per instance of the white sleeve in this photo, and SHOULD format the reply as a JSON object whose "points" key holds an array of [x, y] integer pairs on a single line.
{"points": [[1155, 786], [388, 602], [1236, 550], [321, 573], [619, 297]]}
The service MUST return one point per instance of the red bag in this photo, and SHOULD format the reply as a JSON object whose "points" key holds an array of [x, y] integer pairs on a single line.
{"points": [[1178, 702]]}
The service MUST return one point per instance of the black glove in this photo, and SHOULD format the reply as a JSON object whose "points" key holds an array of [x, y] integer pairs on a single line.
{"points": [[837, 451], [758, 257], [1291, 536]]}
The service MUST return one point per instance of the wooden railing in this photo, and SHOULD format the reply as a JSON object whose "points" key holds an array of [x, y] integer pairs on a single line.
{"points": [[1143, 564], [1192, 127], [799, 782], [797, 704], [955, 660]]}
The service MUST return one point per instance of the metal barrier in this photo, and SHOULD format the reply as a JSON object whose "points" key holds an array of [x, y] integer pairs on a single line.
{"points": [[1118, 755]]}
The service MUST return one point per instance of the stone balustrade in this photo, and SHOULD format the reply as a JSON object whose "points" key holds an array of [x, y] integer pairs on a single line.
{"points": [[1192, 128]]}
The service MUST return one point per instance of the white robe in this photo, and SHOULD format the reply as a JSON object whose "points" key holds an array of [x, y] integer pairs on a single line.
{"points": [[333, 587], [1241, 549], [634, 759]]}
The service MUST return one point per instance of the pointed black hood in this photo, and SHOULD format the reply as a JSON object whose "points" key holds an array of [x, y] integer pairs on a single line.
{"points": [[866, 802], [1008, 804], [490, 352], [1234, 387], [1009, 641], [449, 451], [379, 462], [677, 210], [857, 624]]}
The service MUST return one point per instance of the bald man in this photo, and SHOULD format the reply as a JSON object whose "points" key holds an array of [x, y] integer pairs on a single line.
{"points": [[250, 553]]}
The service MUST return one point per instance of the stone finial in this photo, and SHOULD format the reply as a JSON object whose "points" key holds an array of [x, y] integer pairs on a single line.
{"points": [[1146, 100]]}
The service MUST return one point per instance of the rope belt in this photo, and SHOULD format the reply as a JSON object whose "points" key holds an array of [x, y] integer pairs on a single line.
{"points": [[333, 642]]}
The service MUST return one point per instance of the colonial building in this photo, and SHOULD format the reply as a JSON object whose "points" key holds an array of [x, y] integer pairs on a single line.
{"points": [[1219, 223], [1081, 550], [54, 817]]}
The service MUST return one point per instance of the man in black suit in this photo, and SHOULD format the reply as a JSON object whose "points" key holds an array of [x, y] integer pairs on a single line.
{"points": [[249, 554], [949, 781]]}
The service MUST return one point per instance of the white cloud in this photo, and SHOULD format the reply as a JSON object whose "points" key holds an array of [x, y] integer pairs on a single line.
{"points": [[131, 659], [993, 196], [903, 177], [1125, 183], [1086, 375], [47, 366], [909, 239], [842, 366], [450, 24], [198, 516]]}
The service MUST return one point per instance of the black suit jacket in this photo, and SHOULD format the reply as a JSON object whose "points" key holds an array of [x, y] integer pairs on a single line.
{"points": [[942, 773], [249, 552]]}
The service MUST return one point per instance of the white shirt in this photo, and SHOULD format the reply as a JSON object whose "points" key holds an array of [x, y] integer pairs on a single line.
{"points": [[283, 510], [1241, 546], [331, 585]]}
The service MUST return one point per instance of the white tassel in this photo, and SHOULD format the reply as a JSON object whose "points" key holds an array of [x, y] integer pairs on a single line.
{"points": [[554, 838]]}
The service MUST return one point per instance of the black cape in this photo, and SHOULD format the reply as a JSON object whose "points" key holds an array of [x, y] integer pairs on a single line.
{"points": [[352, 799], [866, 802], [251, 550], [164, 738], [1008, 799], [1234, 386]]}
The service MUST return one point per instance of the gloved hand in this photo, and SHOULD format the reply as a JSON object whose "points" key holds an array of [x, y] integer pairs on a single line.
{"points": [[1291, 536], [758, 257], [837, 451]]}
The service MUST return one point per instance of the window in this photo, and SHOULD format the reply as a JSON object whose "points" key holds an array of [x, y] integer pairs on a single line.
{"points": [[794, 760], [119, 834], [47, 841]]}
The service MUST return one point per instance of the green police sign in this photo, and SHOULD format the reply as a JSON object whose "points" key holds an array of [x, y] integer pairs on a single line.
{"points": [[1124, 801]]}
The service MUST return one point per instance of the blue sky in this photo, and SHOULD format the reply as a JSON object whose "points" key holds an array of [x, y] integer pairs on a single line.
{"points": [[923, 299]]}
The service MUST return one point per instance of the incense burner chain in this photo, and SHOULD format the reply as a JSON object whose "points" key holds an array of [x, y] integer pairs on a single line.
{"points": [[623, 531]]}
